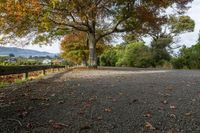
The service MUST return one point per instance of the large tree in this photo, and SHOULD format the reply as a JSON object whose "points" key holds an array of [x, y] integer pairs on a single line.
{"points": [[98, 18]]}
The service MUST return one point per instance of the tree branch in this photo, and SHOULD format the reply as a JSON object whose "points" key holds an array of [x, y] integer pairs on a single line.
{"points": [[114, 29], [69, 24]]}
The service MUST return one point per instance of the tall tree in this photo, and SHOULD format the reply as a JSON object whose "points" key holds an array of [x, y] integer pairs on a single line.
{"points": [[163, 38], [98, 18]]}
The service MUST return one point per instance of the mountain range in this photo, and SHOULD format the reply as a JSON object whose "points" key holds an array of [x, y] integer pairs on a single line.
{"points": [[5, 51]]}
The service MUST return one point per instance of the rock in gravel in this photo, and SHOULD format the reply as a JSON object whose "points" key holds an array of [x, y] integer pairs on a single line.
{"points": [[165, 102]]}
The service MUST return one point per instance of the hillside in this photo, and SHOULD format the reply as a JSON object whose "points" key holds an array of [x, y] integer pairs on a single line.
{"points": [[22, 52]]}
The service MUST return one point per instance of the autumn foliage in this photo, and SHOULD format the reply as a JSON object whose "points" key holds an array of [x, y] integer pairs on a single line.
{"points": [[96, 18], [74, 48]]}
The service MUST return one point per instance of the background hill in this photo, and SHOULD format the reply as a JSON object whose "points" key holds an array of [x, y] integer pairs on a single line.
{"points": [[22, 52]]}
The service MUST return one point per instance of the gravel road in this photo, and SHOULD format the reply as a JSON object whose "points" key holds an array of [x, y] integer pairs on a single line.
{"points": [[104, 101]]}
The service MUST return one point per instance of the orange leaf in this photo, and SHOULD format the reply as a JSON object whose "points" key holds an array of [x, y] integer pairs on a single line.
{"points": [[149, 126], [108, 110]]}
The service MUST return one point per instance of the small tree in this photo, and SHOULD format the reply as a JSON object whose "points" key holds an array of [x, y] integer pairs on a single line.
{"points": [[74, 47], [137, 55]]}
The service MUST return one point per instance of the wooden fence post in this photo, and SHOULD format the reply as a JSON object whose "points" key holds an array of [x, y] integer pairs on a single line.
{"points": [[25, 76], [44, 72]]}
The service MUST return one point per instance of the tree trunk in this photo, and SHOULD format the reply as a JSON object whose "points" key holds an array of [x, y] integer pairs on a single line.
{"points": [[92, 50], [84, 61]]}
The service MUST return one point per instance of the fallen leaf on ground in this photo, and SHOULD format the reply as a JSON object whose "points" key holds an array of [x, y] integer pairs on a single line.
{"points": [[167, 95], [85, 127], [133, 101], [173, 116], [194, 100], [99, 118], [23, 114], [149, 126], [109, 97], [59, 125], [120, 93], [60, 102], [108, 110], [172, 107], [114, 100], [188, 85], [34, 98], [169, 88], [29, 125], [24, 94], [44, 104], [51, 121], [188, 114], [53, 95], [160, 108], [199, 94], [165, 102], [30, 108], [171, 131], [93, 98], [147, 114], [87, 104]]}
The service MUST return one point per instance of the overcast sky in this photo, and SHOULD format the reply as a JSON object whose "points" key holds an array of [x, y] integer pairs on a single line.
{"points": [[185, 39]]}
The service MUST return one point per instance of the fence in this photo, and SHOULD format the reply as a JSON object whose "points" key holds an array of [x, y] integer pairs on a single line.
{"points": [[8, 70]]}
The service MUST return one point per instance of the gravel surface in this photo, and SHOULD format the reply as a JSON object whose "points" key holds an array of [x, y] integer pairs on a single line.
{"points": [[105, 101]]}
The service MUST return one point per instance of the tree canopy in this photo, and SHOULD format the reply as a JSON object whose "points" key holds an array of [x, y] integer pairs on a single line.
{"points": [[97, 18]]}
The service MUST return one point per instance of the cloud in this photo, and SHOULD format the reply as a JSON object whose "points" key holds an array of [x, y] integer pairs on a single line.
{"points": [[189, 39]]}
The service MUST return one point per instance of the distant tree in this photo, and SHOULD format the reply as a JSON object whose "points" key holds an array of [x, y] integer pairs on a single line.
{"points": [[159, 50], [163, 39], [137, 55], [109, 57], [30, 57], [11, 55]]}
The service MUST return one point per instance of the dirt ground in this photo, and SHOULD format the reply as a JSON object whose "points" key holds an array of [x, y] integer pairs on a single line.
{"points": [[104, 101]]}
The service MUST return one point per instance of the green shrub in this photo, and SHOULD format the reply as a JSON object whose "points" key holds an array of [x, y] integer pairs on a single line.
{"points": [[108, 58], [137, 55]]}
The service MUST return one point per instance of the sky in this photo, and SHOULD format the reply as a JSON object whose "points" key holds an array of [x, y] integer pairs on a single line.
{"points": [[187, 39]]}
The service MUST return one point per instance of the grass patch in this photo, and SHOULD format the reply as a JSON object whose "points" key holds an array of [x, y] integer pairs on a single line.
{"points": [[3, 84]]}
